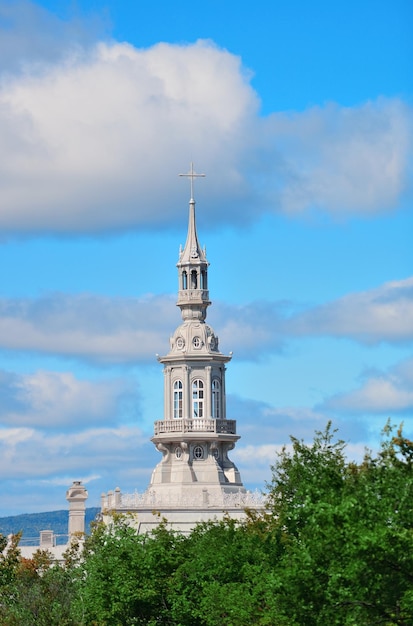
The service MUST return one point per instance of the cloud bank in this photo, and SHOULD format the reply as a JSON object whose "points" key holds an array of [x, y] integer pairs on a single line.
{"points": [[94, 142], [55, 427], [87, 327], [58, 399], [343, 160], [114, 330], [369, 317], [32, 453], [387, 393]]}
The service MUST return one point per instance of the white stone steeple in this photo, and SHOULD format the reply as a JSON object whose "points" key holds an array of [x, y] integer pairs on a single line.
{"points": [[194, 435], [193, 296], [195, 480]]}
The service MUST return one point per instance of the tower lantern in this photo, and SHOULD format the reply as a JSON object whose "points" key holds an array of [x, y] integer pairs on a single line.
{"points": [[193, 296]]}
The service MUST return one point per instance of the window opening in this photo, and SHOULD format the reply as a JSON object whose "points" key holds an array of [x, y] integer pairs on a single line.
{"points": [[204, 280], [184, 280], [197, 398], [216, 399], [198, 452], [178, 399], [194, 279]]}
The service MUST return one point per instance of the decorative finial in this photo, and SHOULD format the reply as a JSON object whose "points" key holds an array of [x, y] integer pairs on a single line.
{"points": [[191, 174]]}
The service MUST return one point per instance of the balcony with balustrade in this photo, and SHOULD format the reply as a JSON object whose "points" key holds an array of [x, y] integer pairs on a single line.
{"points": [[208, 427]]}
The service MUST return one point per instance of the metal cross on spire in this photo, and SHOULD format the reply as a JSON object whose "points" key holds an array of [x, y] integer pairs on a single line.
{"points": [[191, 174]]}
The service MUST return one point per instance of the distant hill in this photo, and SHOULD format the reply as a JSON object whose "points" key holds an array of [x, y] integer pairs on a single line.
{"points": [[32, 523]]}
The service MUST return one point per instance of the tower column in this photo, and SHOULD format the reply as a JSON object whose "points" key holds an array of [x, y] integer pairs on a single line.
{"points": [[223, 394], [208, 407], [76, 495], [167, 393]]}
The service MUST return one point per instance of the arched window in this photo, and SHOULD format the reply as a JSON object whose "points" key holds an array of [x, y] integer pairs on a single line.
{"points": [[204, 284], [194, 279], [184, 280], [178, 395], [197, 398], [216, 399]]}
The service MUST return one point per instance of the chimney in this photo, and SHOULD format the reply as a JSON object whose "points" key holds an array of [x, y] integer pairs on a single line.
{"points": [[76, 495]]}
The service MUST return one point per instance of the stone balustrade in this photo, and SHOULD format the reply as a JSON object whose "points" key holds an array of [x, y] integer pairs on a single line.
{"points": [[150, 499], [192, 294], [196, 425]]}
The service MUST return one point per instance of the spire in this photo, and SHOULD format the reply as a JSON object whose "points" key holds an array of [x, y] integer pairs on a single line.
{"points": [[195, 480], [195, 437], [192, 252], [193, 297]]}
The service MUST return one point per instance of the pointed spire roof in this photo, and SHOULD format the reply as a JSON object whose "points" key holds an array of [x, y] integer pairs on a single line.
{"points": [[192, 252]]}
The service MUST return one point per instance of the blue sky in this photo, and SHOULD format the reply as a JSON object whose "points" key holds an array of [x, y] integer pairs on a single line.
{"points": [[300, 115]]}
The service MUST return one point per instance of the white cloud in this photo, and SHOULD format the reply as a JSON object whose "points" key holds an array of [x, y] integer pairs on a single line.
{"points": [[88, 141], [377, 395], [102, 329], [252, 329], [56, 399], [343, 160], [381, 393], [40, 465], [259, 455], [11, 437], [370, 317], [114, 330], [34, 454], [383, 314], [270, 433], [64, 481], [95, 143], [265, 430], [259, 421]]}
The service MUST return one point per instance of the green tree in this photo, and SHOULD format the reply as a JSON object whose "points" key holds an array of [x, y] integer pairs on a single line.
{"points": [[347, 532], [229, 576], [40, 593], [124, 577], [335, 546]]}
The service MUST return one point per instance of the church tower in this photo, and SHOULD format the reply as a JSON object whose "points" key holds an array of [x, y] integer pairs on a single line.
{"points": [[195, 480], [194, 436]]}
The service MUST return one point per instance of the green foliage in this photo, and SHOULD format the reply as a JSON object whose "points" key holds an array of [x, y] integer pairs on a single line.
{"points": [[335, 547], [219, 582], [9, 559], [347, 531], [33, 591], [124, 576]]}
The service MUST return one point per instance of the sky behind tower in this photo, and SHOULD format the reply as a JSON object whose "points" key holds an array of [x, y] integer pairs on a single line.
{"points": [[300, 115]]}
